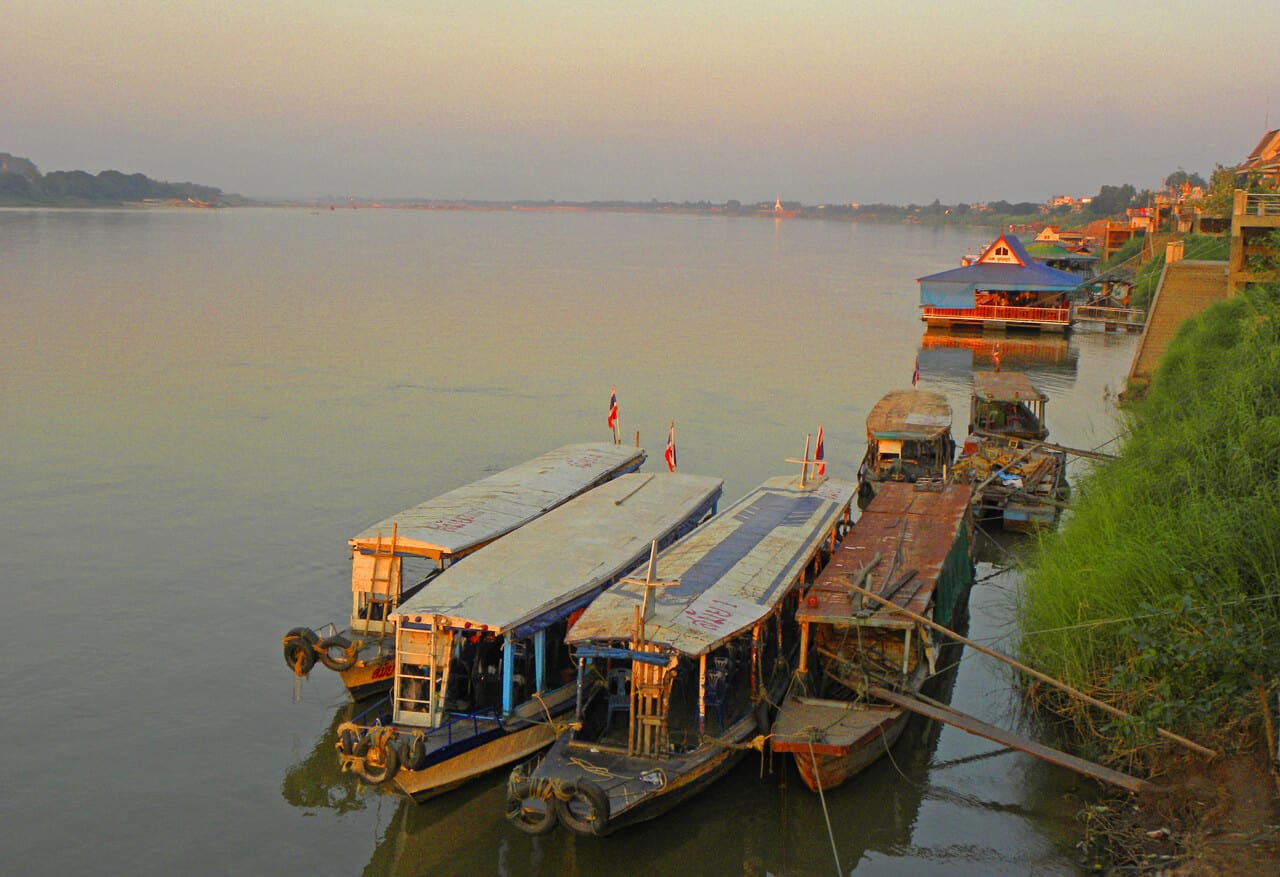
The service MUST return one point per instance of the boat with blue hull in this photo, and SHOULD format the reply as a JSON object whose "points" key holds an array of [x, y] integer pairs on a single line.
{"points": [[482, 674], [421, 542], [678, 664]]}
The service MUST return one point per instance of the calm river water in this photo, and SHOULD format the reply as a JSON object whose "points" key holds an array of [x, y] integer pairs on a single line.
{"points": [[197, 408]]}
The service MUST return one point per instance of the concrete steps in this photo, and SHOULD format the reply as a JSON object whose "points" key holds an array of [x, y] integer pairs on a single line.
{"points": [[1186, 289]]}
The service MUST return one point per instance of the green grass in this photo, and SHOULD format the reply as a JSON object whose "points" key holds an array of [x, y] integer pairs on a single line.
{"points": [[1161, 590]]}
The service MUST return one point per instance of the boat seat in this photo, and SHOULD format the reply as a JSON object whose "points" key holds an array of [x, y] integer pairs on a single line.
{"points": [[619, 693]]}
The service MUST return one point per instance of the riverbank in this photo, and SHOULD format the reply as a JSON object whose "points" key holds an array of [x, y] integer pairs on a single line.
{"points": [[1161, 594]]}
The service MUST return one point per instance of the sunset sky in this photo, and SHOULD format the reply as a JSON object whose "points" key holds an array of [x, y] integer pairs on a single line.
{"points": [[819, 101]]}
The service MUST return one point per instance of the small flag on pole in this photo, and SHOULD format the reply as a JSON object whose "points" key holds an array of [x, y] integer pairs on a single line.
{"points": [[818, 455], [915, 375], [995, 357], [670, 452], [613, 407]]}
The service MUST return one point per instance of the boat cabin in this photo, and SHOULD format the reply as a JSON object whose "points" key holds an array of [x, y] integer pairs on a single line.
{"points": [[908, 438], [435, 534], [1007, 404], [419, 543]]}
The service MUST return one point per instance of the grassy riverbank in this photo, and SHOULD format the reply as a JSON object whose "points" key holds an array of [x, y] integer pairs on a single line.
{"points": [[1160, 594], [1162, 590]]}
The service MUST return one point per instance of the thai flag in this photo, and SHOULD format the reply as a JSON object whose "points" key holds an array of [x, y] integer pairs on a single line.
{"points": [[820, 456], [613, 407], [670, 452], [915, 375]]}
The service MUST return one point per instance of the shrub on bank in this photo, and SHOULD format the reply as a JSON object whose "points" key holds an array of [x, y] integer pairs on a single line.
{"points": [[1161, 592]]}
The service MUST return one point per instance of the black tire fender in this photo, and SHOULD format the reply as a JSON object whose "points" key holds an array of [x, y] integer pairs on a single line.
{"points": [[323, 653], [299, 651], [380, 761], [583, 807], [529, 812], [413, 752], [348, 739]]}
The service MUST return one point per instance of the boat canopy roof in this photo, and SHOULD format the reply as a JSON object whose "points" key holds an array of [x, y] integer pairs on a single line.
{"points": [[910, 529], [918, 415], [1005, 387], [559, 561], [470, 516], [732, 571]]}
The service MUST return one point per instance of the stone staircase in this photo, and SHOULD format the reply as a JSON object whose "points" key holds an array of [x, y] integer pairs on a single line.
{"points": [[1185, 289]]}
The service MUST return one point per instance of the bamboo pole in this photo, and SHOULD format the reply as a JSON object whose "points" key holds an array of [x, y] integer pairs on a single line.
{"points": [[1092, 701], [1075, 452]]}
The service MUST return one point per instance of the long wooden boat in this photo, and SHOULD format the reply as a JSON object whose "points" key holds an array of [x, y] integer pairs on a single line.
{"points": [[912, 546], [685, 668], [482, 674], [908, 438], [1018, 481], [424, 540]]}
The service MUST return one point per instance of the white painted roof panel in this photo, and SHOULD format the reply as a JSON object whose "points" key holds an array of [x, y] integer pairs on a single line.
{"points": [[733, 570], [564, 554], [470, 516]]}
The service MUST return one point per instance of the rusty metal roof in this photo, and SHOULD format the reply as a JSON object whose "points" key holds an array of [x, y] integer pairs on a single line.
{"points": [[732, 571], [910, 414], [470, 516], [911, 529], [1005, 387]]}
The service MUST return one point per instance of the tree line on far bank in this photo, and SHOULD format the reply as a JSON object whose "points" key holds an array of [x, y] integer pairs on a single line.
{"points": [[72, 188]]}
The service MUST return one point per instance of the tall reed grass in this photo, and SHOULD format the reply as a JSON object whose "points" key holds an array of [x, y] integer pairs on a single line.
{"points": [[1161, 591]]}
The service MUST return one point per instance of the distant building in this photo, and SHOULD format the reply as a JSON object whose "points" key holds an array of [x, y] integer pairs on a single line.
{"points": [[1264, 161]]}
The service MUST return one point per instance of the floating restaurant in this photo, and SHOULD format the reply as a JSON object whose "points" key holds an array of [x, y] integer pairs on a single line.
{"points": [[1004, 289]]}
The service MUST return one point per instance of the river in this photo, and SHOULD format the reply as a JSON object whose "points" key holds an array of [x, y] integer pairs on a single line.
{"points": [[199, 407]]}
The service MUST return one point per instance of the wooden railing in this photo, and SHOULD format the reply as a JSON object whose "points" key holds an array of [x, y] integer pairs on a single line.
{"points": [[1119, 316], [1256, 203], [1052, 316]]}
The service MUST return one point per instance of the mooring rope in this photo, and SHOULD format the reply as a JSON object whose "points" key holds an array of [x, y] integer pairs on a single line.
{"points": [[835, 854]]}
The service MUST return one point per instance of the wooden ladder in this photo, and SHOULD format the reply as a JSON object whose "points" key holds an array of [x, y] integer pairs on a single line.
{"points": [[650, 699], [384, 573]]}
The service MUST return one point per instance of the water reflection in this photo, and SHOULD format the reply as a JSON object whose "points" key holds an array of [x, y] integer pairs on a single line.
{"points": [[317, 780]]}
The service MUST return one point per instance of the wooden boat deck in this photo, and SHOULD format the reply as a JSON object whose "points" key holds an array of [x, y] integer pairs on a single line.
{"points": [[911, 528]]}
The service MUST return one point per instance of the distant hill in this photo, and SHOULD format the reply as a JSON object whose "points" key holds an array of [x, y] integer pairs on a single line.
{"points": [[22, 185]]}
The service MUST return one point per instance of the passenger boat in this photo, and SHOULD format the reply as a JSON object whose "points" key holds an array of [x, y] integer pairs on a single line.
{"points": [[911, 546], [482, 674], [684, 668], [908, 438], [1018, 479], [432, 536]]}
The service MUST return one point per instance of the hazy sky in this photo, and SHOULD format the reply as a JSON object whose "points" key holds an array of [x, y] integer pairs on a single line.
{"points": [[811, 100]]}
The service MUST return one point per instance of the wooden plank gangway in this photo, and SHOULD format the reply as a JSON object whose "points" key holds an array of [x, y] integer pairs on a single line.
{"points": [[940, 712], [1129, 319]]}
